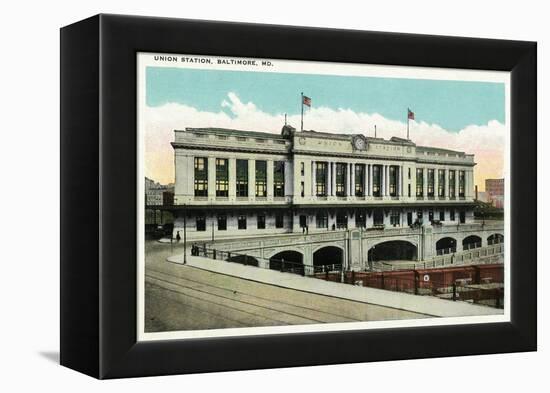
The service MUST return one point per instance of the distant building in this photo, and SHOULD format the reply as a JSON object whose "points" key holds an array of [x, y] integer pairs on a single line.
{"points": [[495, 192], [157, 194], [482, 196]]}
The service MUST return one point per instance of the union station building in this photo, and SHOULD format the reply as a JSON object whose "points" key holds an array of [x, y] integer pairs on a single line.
{"points": [[242, 183]]}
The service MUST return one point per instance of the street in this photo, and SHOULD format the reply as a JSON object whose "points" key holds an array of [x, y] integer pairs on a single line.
{"points": [[179, 297]]}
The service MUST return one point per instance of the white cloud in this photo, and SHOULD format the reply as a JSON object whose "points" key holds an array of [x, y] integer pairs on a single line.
{"points": [[485, 141]]}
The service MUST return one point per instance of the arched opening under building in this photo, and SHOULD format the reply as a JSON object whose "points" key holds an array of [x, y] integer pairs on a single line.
{"points": [[287, 261], [497, 238], [243, 259], [446, 245], [327, 257], [471, 242], [394, 250]]}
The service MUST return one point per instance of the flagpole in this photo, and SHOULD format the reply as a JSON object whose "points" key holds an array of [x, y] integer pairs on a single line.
{"points": [[302, 101], [408, 110]]}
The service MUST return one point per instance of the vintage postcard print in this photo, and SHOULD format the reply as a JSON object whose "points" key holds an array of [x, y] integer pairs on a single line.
{"points": [[281, 196]]}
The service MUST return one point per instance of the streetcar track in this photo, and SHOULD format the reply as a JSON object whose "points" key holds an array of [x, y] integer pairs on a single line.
{"points": [[253, 296], [234, 300], [198, 308]]}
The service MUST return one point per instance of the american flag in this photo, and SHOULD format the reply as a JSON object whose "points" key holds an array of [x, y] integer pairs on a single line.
{"points": [[410, 114], [306, 101]]}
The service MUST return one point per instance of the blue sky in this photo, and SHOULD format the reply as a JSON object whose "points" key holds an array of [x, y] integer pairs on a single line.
{"points": [[452, 105]]}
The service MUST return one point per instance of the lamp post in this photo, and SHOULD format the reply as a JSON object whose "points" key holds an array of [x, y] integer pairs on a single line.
{"points": [[184, 234], [212, 230]]}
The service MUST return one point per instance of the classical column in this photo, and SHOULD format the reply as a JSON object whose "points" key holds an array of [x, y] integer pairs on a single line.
{"points": [[313, 179], [349, 180], [232, 178], [269, 168], [446, 184], [289, 179], [328, 183], [211, 176], [386, 179], [471, 184], [333, 186], [370, 179], [251, 179], [383, 181], [425, 182], [398, 180], [436, 183], [365, 179]]}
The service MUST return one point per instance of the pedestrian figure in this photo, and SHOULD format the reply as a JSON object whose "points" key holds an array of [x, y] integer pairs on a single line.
{"points": [[307, 229], [333, 227], [178, 237], [303, 230]]}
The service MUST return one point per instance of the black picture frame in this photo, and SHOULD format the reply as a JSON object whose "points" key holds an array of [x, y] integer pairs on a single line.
{"points": [[98, 172]]}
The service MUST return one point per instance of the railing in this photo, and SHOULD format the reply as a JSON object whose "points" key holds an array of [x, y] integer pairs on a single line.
{"points": [[444, 251], [256, 261], [471, 246], [478, 256], [405, 279]]}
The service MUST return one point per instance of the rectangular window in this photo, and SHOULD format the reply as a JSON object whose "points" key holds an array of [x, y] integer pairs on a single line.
{"points": [[442, 215], [242, 178], [441, 182], [261, 179], [393, 180], [376, 180], [241, 222], [431, 182], [279, 179], [302, 168], [462, 217], [409, 190], [302, 189], [341, 179], [222, 177], [378, 217], [279, 220], [200, 223], [409, 173], [419, 182], [359, 180], [201, 176], [430, 215], [452, 184], [395, 218], [452, 215], [321, 179], [461, 183], [222, 222], [261, 221], [341, 221], [322, 220]]}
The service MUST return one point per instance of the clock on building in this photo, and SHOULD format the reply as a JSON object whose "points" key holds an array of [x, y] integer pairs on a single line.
{"points": [[359, 142]]}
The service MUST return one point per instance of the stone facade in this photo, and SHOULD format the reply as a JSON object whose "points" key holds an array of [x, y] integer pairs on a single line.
{"points": [[234, 183]]}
